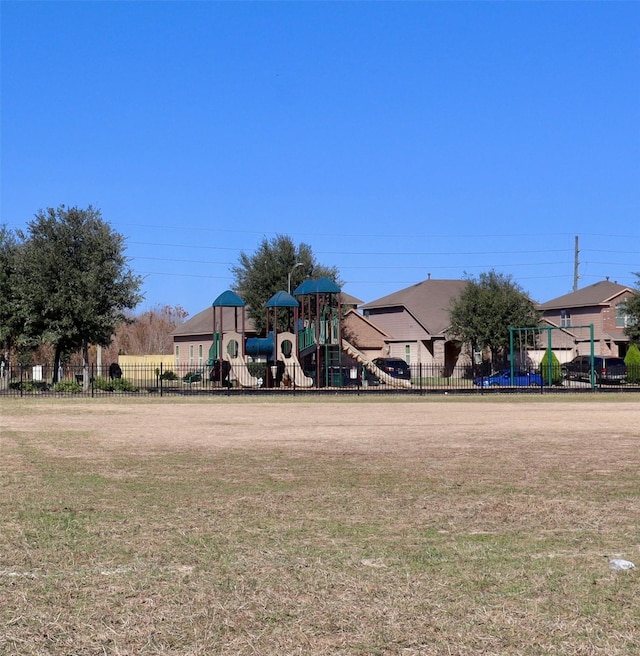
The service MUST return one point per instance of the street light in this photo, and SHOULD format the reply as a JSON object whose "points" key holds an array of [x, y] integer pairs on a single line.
{"points": [[295, 266]]}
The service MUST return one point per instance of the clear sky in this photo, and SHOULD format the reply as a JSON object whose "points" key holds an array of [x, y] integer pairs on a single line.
{"points": [[397, 139]]}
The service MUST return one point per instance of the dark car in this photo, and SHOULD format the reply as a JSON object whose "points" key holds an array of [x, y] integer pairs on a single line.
{"points": [[395, 367], [503, 379], [605, 369]]}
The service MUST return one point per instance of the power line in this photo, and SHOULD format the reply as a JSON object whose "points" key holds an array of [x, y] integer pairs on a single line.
{"points": [[413, 235], [366, 253], [371, 267]]}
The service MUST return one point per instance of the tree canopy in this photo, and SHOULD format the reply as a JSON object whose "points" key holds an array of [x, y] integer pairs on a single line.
{"points": [[72, 280], [485, 310], [633, 312], [259, 276], [9, 316]]}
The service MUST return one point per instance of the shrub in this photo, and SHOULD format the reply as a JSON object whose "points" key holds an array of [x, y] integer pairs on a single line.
{"points": [[67, 386], [192, 377], [632, 360], [116, 385], [556, 369], [168, 375], [123, 385], [30, 386], [103, 384], [258, 369]]}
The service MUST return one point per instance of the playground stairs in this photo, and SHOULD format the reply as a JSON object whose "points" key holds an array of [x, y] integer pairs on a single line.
{"points": [[333, 365]]}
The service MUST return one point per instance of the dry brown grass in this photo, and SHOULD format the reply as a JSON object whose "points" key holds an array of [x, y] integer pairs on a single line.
{"points": [[312, 527]]}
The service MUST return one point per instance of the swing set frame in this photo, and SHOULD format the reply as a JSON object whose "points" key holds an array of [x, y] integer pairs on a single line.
{"points": [[533, 336]]}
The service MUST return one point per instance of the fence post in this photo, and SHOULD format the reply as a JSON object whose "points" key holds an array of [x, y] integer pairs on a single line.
{"points": [[161, 379], [21, 379], [91, 380]]}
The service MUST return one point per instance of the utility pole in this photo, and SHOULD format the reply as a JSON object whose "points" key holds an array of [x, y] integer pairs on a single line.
{"points": [[576, 264]]}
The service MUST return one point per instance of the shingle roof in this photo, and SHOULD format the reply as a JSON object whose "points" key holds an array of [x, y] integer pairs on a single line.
{"points": [[202, 323], [348, 299], [428, 301], [600, 293]]}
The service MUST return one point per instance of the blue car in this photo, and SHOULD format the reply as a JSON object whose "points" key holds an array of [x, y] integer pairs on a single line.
{"points": [[503, 379]]}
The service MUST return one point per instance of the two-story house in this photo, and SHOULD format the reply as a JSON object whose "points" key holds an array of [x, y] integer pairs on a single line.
{"points": [[601, 304], [414, 320]]}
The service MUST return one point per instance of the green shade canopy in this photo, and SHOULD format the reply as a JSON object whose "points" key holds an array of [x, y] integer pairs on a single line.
{"points": [[319, 286], [282, 299], [228, 299]]}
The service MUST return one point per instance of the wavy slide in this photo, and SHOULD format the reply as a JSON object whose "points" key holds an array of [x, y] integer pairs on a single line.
{"points": [[241, 373], [239, 369], [292, 365], [361, 358]]}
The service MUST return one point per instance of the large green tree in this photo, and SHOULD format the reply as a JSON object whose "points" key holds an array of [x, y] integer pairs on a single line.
{"points": [[9, 316], [633, 311], [485, 310], [73, 281], [259, 276]]}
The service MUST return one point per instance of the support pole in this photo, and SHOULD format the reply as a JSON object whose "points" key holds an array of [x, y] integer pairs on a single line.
{"points": [[576, 264]]}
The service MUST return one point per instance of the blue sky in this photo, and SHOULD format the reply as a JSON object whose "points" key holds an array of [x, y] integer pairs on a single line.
{"points": [[397, 139]]}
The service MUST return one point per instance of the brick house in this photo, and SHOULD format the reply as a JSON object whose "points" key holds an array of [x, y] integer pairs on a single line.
{"points": [[601, 304], [413, 322]]}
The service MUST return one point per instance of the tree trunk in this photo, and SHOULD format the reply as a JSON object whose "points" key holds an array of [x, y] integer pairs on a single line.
{"points": [[56, 364], [85, 365], [5, 371]]}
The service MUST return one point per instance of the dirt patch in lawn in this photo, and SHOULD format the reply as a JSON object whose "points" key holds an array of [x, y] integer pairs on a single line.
{"points": [[242, 526]]}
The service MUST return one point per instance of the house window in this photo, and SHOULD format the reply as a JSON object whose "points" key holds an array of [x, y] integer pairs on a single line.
{"points": [[623, 318], [177, 354], [190, 353], [407, 354], [565, 318], [199, 354]]}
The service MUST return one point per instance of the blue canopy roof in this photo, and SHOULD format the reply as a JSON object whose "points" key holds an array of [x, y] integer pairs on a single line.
{"points": [[282, 299], [228, 299], [327, 286], [307, 286], [319, 286]]}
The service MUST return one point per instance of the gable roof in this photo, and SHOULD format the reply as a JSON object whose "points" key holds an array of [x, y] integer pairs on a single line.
{"points": [[348, 299], [202, 323], [428, 301], [361, 332], [356, 316], [600, 293]]}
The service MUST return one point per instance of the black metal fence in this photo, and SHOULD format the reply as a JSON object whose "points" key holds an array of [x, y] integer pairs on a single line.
{"points": [[258, 378]]}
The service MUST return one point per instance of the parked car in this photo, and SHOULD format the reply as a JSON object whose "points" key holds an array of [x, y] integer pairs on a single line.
{"points": [[395, 367], [606, 370], [503, 379]]}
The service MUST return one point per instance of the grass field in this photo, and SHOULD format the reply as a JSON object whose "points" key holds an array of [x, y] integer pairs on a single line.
{"points": [[428, 526]]}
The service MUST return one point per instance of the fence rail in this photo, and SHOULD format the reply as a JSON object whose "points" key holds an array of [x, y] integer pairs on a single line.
{"points": [[146, 379]]}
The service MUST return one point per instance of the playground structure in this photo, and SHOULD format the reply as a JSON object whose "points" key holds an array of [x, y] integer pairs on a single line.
{"points": [[303, 346]]}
